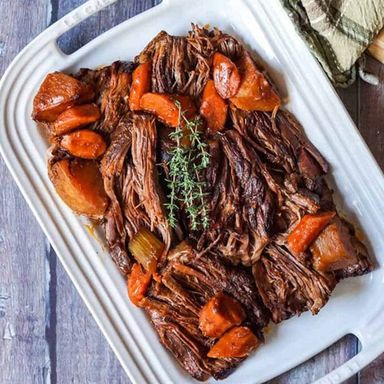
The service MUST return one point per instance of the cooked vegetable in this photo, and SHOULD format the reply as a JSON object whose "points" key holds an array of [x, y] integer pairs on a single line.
{"points": [[186, 165], [79, 183], [307, 230], [85, 143], [138, 282], [225, 75], [76, 117], [163, 106], [213, 108], [146, 248], [141, 84], [333, 249], [219, 314], [237, 342], [57, 93], [255, 92]]}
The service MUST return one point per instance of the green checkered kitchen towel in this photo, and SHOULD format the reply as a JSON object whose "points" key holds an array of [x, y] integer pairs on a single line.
{"points": [[337, 32]]}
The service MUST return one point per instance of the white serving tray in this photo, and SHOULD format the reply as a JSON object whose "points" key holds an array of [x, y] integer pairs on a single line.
{"points": [[356, 306]]}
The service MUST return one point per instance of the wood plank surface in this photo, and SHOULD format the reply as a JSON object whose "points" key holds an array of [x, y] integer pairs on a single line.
{"points": [[46, 333], [24, 268]]}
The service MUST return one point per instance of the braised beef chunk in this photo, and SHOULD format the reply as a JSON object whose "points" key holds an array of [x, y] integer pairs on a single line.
{"points": [[113, 168], [131, 182], [112, 85], [149, 194], [287, 286], [188, 282]]}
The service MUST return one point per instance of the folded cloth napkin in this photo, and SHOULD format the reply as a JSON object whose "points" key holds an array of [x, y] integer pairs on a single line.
{"points": [[337, 32]]}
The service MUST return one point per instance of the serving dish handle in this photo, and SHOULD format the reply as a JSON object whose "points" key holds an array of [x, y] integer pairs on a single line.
{"points": [[368, 353]]}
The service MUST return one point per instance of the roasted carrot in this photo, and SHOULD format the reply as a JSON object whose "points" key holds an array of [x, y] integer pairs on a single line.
{"points": [[138, 282], [237, 342], [85, 143], [76, 117], [57, 93], [307, 230], [141, 84], [255, 93], [213, 108], [219, 314], [225, 75], [163, 107], [79, 183]]}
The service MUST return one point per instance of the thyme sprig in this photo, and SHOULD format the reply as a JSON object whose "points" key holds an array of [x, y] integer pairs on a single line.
{"points": [[185, 184]]}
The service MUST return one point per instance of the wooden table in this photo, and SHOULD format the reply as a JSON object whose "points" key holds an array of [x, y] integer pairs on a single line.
{"points": [[46, 333]]}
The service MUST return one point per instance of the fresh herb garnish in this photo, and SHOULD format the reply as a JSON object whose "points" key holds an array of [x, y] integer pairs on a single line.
{"points": [[185, 184]]}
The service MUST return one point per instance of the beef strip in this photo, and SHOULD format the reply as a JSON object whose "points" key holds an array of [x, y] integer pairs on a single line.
{"points": [[131, 182], [113, 172], [177, 66], [144, 138], [188, 281], [289, 287], [112, 84]]}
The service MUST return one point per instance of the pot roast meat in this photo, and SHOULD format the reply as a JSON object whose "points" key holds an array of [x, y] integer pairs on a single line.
{"points": [[144, 139], [188, 282], [177, 66], [287, 286], [112, 85], [113, 172]]}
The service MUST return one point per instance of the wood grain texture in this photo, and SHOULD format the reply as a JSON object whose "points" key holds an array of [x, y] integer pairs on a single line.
{"points": [[46, 333], [24, 268]]}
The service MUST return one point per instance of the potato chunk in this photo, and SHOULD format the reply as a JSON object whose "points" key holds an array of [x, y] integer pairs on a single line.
{"points": [[57, 93], [219, 314], [333, 249], [255, 92], [80, 185]]}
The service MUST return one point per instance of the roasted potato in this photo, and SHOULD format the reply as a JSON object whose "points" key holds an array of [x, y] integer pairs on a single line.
{"points": [[80, 185], [57, 93]]}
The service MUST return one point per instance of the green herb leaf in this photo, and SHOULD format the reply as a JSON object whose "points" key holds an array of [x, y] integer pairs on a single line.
{"points": [[186, 190]]}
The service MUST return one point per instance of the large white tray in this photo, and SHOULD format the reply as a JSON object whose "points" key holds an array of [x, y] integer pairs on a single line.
{"points": [[357, 305]]}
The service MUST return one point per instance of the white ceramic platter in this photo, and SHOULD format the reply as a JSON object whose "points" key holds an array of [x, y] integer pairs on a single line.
{"points": [[357, 305]]}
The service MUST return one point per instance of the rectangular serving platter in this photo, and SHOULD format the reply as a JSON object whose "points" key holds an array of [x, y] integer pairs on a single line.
{"points": [[356, 306]]}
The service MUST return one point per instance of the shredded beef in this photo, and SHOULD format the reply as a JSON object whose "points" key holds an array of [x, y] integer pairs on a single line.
{"points": [[188, 281]]}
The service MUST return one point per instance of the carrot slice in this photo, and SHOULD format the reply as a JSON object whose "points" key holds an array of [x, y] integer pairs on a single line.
{"points": [[255, 92], [238, 342], [307, 230], [76, 117], [163, 107], [141, 84], [57, 93], [219, 314], [86, 144], [213, 108], [225, 75], [138, 282]]}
